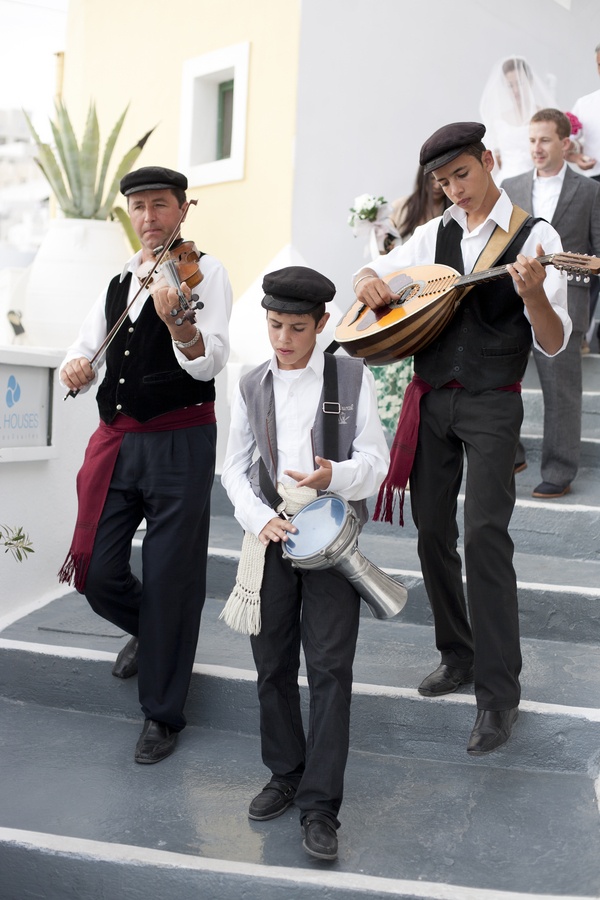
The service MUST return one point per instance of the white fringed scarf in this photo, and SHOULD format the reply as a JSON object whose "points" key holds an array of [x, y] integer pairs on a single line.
{"points": [[242, 610]]}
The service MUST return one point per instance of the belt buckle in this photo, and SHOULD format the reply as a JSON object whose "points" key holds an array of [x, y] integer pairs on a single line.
{"points": [[335, 410]]}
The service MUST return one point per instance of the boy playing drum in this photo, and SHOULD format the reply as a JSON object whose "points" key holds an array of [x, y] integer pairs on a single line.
{"points": [[313, 419]]}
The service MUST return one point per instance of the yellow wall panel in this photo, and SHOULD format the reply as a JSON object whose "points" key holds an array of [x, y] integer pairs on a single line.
{"points": [[123, 52]]}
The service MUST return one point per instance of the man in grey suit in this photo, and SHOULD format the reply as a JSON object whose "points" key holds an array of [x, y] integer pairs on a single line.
{"points": [[571, 203]]}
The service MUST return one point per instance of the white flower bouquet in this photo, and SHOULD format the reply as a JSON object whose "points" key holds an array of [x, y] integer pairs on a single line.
{"points": [[370, 217]]}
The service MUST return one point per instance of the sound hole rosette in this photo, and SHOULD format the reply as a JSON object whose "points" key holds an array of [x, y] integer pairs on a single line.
{"points": [[406, 338]]}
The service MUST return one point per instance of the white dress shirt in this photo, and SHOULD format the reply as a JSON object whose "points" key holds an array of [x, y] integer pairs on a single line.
{"points": [[213, 320], [420, 250], [545, 193], [297, 393], [587, 110]]}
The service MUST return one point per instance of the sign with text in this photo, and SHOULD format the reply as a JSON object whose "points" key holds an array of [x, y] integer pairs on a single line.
{"points": [[25, 406]]}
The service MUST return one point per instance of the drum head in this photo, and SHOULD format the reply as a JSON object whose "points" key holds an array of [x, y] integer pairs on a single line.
{"points": [[318, 523]]}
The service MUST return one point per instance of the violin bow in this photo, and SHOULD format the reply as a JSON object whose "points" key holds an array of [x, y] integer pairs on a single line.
{"points": [[164, 250]]}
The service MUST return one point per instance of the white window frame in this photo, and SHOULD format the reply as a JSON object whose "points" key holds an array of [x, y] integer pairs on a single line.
{"points": [[199, 103]]}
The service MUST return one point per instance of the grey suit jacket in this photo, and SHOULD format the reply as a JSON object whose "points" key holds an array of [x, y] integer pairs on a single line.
{"points": [[577, 221]]}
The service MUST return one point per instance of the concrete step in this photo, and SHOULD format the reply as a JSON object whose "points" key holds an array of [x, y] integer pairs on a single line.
{"points": [[557, 556], [590, 369], [66, 642], [419, 817], [533, 404], [78, 819]]}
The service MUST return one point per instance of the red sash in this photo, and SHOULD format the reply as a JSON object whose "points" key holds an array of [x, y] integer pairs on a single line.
{"points": [[404, 448], [93, 479]]}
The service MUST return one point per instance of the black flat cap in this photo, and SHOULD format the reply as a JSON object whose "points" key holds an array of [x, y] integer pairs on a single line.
{"points": [[296, 289], [448, 142], [152, 178]]}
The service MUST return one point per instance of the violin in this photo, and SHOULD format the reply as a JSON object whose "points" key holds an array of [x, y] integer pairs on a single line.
{"points": [[180, 259], [179, 264]]}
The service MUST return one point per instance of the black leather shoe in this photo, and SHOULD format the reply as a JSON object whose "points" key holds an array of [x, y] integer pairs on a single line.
{"points": [[156, 742], [492, 729], [126, 663], [520, 467], [320, 839], [548, 491], [272, 801], [445, 680]]}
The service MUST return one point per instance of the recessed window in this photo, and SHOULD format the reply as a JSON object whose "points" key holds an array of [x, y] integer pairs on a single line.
{"points": [[225, 119], [213, 131]]}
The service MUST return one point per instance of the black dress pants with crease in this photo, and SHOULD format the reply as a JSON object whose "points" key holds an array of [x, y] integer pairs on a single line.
{"points": [[166, 478], [320, 610], [484, 428]]}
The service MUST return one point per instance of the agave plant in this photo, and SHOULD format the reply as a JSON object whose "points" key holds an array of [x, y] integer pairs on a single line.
{"points": [[77, 174]]}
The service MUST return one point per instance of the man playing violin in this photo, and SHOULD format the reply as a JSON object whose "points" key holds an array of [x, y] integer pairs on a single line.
{"points": [[465, 401], [151, 458]]}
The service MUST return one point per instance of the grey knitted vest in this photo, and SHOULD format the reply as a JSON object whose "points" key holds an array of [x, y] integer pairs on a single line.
{"points": [[260, 406]]}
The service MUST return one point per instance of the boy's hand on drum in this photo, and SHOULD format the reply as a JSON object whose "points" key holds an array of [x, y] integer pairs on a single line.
{"points": [[276, 530], [320, 479]]}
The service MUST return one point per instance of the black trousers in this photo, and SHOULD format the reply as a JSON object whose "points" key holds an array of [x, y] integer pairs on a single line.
{"points": [[485, 429], [320, 610], [166, 478]]}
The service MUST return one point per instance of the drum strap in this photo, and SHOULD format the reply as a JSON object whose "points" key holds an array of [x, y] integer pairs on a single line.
{"points": [[331, 408], [331, 411]]}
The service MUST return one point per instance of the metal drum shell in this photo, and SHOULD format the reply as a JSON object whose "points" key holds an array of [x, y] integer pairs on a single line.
{"points": [[327, 555]]}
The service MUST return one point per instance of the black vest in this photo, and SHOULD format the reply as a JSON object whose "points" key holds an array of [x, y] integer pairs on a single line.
{"points": [[143, 379], [487, 342]]}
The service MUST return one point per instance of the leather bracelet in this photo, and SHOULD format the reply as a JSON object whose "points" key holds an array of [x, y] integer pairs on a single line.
{"points": [[362, 278], [182, 345]]}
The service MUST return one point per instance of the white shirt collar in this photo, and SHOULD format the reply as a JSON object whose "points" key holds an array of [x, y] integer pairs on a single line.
{"points": [[549, 179], [499, 214], [316, 363], [132, 265]]}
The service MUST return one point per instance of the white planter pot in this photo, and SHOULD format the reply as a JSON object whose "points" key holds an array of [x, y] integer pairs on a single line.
{"points": [[76, 260]]}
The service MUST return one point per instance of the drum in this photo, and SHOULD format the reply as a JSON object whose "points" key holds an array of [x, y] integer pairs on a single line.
{"points": [[326, 527], [328, 536]]}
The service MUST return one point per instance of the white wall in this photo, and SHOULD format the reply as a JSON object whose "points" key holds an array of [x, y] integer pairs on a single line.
{"points": [[40, 496], [377, 77]]}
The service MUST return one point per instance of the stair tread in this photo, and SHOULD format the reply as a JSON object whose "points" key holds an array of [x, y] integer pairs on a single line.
{"points": [[391, 547], [73, 774], [394, 653]]}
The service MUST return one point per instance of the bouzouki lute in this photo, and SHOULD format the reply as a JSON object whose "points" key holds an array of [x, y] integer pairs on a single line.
{"points": [[428, 297]]}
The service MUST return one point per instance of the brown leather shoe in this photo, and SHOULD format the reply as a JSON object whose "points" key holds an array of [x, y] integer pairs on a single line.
{"points": [[492, 729], [445, 680], [126, 663]]}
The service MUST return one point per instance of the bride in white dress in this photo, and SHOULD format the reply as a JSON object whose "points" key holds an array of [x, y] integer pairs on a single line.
{"points": [[513, 93]]}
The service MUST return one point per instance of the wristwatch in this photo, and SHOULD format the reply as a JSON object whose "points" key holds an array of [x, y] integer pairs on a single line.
{"points": [[182, 345]]}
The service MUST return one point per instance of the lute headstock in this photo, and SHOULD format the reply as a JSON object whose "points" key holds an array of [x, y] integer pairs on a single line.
{"points": [[576, 265]]}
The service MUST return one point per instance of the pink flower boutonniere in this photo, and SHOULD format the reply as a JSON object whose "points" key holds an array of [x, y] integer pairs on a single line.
{"points": [[576, 126]]}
